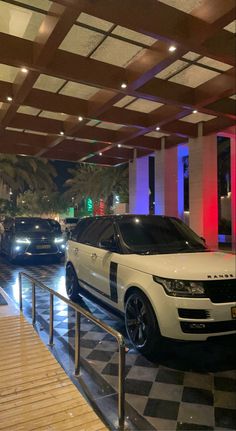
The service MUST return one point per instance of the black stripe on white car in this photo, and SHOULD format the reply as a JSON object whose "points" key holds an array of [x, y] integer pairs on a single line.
{"points": [[113, 281]]}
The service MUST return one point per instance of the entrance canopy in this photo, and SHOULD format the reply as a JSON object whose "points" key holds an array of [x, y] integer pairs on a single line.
{"points": [[95, 80]]}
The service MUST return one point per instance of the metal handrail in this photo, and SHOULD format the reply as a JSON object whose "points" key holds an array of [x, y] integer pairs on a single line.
{"points": [[79, 310]]}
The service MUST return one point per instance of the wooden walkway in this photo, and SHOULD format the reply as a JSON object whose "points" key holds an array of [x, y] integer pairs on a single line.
{"points": [[35, 392]]}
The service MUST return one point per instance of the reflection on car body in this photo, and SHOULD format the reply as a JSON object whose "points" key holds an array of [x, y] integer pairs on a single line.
{"points": [[157, 272]]}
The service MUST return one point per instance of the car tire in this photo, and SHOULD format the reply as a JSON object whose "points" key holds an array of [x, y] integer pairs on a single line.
{"points": [[142, 326], [72, 285]]}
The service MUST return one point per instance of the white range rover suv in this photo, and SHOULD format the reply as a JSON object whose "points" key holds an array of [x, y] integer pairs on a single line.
{"points": [[158, 273]]}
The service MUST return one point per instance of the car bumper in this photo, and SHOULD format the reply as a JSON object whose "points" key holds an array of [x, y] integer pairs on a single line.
{"points": [[193, 318], [58, 250]]}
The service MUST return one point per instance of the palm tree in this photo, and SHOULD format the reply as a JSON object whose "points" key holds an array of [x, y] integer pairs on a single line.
{"points": [[19, 174], [97, 182]]}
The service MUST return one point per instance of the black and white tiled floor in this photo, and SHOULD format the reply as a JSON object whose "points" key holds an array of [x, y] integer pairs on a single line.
{"points": [[192, 387]]}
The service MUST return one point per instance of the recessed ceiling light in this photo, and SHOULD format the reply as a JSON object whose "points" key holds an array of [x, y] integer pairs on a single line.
{"points": [[157, 128], [24, 70], [100, 154], [61, 133], [119, 145], [195, 111], [123, 85], [9, 99], [172, 48], [80, 118]]}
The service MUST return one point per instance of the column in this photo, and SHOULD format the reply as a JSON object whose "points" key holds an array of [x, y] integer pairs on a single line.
{"points": [[139, 185], [166, 180], [203, 190], [159, 179], [171, 181], [233, 189]]}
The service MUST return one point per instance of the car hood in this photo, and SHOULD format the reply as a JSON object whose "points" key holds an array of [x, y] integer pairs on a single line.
{"points": [[37, 235], [185, 266]]}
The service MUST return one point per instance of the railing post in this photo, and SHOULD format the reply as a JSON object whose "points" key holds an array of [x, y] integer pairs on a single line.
{"points": [[77, 343], [33, 305], [121, 386], [20, 292], [51, 323]]}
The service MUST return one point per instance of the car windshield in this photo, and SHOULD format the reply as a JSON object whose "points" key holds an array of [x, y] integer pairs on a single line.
{"points": [[154, 234], [71, 220], [33, 226]]}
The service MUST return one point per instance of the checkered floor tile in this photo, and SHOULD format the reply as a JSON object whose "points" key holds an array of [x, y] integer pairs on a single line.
{"points": [[192, 387]]}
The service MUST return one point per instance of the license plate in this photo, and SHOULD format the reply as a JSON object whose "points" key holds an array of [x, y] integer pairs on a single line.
{"points": [[43, 246], [233, 312]]}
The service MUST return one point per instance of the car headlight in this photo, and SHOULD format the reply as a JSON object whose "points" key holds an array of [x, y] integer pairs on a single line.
{"points": [[181, 287], [59, 240], [22, 241]]}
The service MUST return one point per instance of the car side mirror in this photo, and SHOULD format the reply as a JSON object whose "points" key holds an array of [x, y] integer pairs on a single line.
{"points": [[109, 244]]}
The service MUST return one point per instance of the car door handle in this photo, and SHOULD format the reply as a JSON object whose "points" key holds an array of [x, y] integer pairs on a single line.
{"points": [[94, 256], [76, 250]]}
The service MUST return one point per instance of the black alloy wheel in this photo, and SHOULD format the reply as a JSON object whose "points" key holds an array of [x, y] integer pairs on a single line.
{"points": [[141, 325], [72, 285]]}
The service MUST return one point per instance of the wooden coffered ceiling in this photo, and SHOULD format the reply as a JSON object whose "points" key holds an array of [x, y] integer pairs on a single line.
{"points": [[63, 63]]}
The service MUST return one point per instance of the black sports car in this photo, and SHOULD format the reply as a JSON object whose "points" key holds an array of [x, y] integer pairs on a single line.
{"points": [[31, 236]]}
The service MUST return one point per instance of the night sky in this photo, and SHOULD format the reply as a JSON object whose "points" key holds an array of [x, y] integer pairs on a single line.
{"points": [[62, 170]]}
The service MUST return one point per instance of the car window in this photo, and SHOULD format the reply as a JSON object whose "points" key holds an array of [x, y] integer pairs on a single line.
{"points": [[107, 233], [155, 234], [32, 225], [91, 234], [71, 220], [80, 229]]}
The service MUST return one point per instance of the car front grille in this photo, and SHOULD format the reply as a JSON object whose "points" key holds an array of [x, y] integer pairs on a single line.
{"points": [[189, 313], [220, 291]]}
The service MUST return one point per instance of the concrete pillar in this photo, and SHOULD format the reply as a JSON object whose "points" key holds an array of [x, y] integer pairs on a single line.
{"points": [[160, 179], [139, 185], [233, 189], [166, 180], [203, 190], [171, 181]]}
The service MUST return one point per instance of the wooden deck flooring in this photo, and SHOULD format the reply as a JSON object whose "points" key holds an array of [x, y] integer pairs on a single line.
{"points": [[35, 392]]}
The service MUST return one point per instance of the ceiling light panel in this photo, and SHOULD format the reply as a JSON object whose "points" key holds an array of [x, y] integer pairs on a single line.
{"points": [[183, 5], [14, 129], [49, 83], [92, 123], [109, 126], [19, 21], [215, 64], [53, 115], [192, 56], [8, 73], [123, 102], [197, 118], [143, 105], [231, 27], [194, 76], [92, 21], [133, 36], [175, 67], [35, 132], [117, 52], [156, 134], [81, 91], [81, 41], [28, 110], [40, 4]]}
